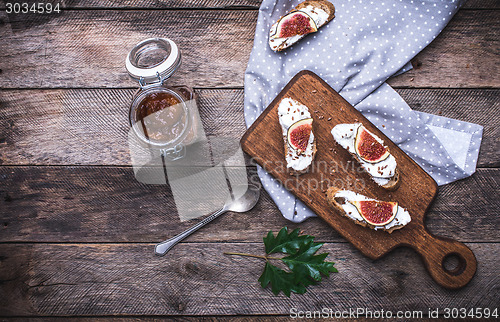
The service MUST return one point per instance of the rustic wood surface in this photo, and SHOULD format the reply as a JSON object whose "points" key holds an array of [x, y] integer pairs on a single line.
{"points": [[86, 48], [70, 204], [112, 279], [206, 4], [77, 231], [56, 117]]}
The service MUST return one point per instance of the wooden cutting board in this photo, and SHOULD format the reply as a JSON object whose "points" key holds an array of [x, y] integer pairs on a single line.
{"points": [[263, 141]]}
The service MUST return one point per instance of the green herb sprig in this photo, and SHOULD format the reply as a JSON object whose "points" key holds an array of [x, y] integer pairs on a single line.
{"points": [[305, 267]]}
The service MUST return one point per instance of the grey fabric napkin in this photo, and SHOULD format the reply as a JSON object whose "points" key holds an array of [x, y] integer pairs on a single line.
{"points": [[366, 43]]}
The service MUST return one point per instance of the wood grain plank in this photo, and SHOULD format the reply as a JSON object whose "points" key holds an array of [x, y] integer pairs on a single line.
{"points": [[101, 204], [87, 48], [204, 318], [197, 279], [91, 126], [166, 4], [174, 4], [481, 4], [61, 122], [180, 318]]}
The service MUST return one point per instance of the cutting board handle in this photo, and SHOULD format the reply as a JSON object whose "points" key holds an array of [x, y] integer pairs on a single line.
{"points": [[436, 250]]}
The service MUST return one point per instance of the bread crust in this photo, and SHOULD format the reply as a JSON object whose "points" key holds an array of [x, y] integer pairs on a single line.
{"points": [[330, 197], [324, 5], [393, 183]]}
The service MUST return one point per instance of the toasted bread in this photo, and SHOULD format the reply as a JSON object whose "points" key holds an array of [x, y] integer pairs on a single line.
{"points": [[393, 183], [324, 5]]}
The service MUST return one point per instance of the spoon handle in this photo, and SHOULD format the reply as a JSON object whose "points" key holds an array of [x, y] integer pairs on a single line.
{"points": [[163, 247]]}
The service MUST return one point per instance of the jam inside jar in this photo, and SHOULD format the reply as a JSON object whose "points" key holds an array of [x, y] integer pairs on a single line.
{"points": [[161, 116], [161, 108]]}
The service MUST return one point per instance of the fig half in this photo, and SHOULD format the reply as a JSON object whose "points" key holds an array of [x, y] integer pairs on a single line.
{"points": [[295, 23], [368, 148], [298, 134], [377, 213]]}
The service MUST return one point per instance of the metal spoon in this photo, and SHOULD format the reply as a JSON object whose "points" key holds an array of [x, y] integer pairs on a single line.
{"points": [[244, 203]]}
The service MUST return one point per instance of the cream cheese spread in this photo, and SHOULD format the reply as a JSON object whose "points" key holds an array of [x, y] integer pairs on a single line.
{"points": [[381, 172], [402, 217], [289, 112]]}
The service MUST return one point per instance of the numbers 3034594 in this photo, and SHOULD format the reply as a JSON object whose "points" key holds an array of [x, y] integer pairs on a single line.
{"points": [[40, 7]]}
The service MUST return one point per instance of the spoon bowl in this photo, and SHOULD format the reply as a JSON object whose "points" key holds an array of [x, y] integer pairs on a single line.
{"points": [[246, 201]]}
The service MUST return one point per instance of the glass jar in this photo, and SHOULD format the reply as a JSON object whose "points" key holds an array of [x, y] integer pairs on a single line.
{"points": [[167, 142], [161, 117]]}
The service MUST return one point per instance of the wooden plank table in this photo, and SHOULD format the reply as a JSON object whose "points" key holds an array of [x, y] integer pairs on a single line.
{"points": [[77, 230]]}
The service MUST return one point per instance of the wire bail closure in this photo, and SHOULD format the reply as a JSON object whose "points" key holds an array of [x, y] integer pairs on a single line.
{"points": [[142, 82], [152, 61]]}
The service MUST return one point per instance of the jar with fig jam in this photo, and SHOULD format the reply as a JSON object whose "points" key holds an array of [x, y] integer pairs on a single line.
{"points": [[161, 116]]}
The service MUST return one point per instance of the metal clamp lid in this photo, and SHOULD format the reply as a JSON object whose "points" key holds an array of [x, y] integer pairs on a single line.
{"points": [[153, 60]]}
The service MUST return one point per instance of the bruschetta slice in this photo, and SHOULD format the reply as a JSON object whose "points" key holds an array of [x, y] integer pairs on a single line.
{"points": [[369, 150], [304, 19], [298, 137], [367, 212]]}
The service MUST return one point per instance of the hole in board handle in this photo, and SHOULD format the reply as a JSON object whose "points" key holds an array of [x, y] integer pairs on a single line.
{"points": [[454, 264]]}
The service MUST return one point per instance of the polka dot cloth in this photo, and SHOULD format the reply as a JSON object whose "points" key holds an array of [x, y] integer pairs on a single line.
{"points": [[366, 43]]}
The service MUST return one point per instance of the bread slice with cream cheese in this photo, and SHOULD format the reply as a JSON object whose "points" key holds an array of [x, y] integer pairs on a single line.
{"points": [[305, 18], [347, 203], [383, 171], [298, 137]]}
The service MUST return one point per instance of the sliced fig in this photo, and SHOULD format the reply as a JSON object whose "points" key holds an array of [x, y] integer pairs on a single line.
{"points": [[368, 148], [295, 23], [298, 134], [377, 213]]}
